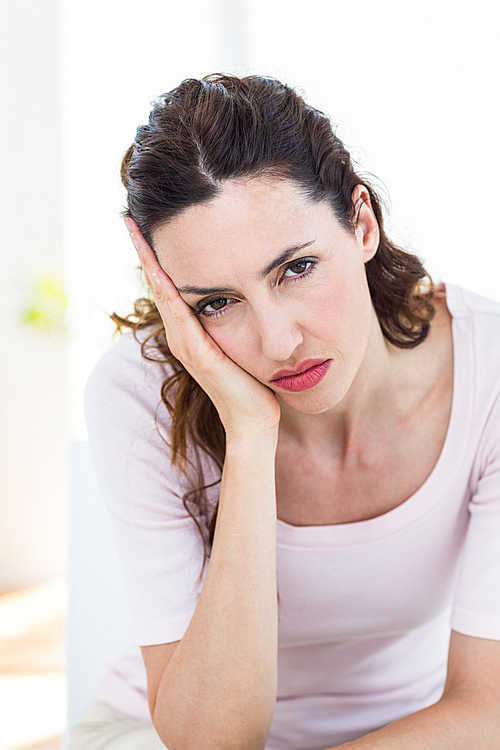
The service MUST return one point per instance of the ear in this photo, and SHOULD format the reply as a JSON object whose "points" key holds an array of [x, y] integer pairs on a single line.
{"points": [[367, 230]]}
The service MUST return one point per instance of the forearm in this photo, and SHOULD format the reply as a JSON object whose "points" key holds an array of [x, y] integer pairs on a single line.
{"points": [[460, 721], [219, 688]]}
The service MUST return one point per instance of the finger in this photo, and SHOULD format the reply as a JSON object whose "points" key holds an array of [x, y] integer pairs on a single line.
{"points": [[131, 224], [147, 257], [159, 281], [164, 289], [182, 327], [187, 338], [145, 251]]}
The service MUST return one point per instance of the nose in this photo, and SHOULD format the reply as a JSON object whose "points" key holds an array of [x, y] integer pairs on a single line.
{"points": [[279, 333]]}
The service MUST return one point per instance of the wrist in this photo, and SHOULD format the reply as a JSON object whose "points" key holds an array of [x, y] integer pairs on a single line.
{"points": [[252, 438]]}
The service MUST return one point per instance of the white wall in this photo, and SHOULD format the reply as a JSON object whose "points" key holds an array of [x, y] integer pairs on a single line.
{"points": [[33, 429]]}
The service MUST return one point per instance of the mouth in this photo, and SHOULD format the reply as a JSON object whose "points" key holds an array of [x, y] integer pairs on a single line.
{"points": [[306, 375]]}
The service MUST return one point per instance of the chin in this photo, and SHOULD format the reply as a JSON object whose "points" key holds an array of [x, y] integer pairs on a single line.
{"points": [[308, 402]]}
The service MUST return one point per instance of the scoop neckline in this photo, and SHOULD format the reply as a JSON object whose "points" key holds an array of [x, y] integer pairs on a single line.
{"points": [[440, 478]]}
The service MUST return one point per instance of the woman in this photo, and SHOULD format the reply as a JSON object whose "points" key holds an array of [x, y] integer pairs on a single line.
{"points": [[351, 414]]}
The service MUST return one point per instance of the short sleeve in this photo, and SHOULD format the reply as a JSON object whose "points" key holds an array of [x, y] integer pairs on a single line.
{"points": [[476, 610], [159, 545]]}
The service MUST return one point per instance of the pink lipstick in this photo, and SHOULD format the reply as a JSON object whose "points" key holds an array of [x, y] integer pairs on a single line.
{"points": [[306, 375]]}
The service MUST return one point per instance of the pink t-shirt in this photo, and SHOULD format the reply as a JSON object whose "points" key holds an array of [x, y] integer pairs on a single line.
{"points": [[366, 607]]}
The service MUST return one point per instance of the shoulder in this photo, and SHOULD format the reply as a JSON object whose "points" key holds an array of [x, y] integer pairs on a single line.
{"points": [[476, 343], [123, 397], [123, 371], [129, 428], [465, 303], [476, 333]]}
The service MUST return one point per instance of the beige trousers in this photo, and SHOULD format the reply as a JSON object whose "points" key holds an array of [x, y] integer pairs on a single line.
{"points": [[102, 727]]}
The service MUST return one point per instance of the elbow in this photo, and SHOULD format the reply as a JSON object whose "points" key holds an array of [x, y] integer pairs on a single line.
{"points": [[211, 738], [210, 720], [207, 743]]}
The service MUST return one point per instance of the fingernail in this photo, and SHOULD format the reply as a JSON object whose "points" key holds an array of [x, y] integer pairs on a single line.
{"points": [[134, 240], [128, 223], [156, 277]]}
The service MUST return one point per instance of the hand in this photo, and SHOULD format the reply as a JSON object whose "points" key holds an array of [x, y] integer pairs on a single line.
{"points": [[243, 403]]}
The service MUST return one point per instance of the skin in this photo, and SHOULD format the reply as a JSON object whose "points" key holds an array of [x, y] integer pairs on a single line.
{"points": [[371, 397], [276, 322]]}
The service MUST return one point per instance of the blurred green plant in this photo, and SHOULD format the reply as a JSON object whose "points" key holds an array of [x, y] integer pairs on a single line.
{"points": [[46, 309]]}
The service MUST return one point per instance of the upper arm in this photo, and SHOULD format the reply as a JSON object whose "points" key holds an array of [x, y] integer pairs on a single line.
{"points": [[474, 668], [156, 659], [159, 545], [474, 656]]}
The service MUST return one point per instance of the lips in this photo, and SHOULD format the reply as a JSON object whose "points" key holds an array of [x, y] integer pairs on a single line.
{"points": [[306, 375], [306, 364]]}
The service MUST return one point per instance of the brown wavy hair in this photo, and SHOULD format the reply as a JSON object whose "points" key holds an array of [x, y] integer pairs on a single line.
{"points": [[219, 128]]}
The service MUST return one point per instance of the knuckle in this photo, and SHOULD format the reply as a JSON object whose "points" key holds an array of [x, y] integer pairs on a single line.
{"points": [[180, 315], [157, 293], [204, 361]]}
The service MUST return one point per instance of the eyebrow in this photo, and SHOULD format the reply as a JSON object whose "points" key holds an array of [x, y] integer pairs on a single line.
{"points": [[276, 263]]}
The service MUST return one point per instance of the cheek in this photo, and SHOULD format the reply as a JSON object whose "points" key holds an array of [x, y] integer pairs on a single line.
{"points": [[329, 309], [234, 340], [341, 312]]}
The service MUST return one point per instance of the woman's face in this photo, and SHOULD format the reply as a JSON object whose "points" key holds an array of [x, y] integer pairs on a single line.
{"points": [[276, 281]]}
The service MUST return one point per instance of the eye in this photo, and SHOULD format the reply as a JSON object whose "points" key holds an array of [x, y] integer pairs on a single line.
{"points": [[299, 268], [214, 307], [216, 304]]}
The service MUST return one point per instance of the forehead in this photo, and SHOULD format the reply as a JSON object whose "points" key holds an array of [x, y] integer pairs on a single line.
{"points": [[249, 223]]}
